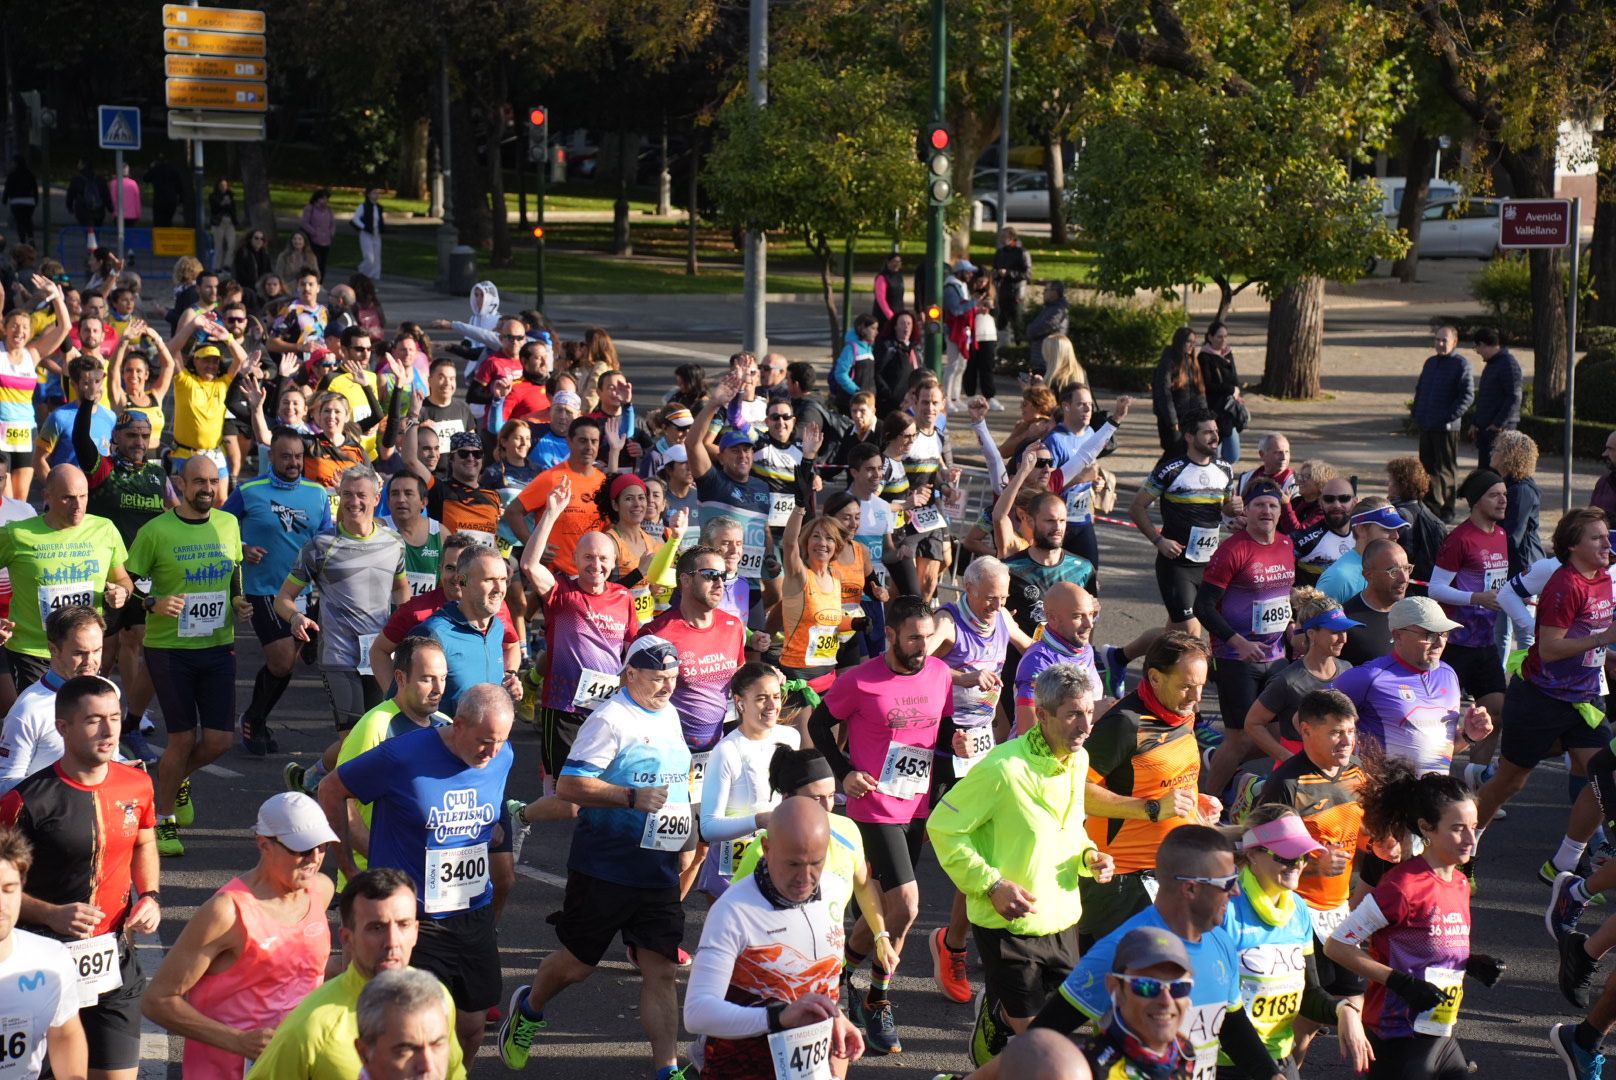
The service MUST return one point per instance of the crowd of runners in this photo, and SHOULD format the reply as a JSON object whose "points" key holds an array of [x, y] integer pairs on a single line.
{"points": [[775, 648]]}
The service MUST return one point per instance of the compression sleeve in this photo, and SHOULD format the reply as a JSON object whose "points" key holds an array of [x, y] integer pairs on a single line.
{"points": [[1442, 591], [84, 448], [1239, 1040], [706, 1010], [822, 730], [1318, 1004], [1207, 600], [1059, 1014]]}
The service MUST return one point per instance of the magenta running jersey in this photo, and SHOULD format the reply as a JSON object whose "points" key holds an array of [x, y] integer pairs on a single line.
{"points": [[883, 710], [583, 631], [1412, 714], [1582, 607], [1257, 580], [1427, 925], [708, 659], [1480, 563]]}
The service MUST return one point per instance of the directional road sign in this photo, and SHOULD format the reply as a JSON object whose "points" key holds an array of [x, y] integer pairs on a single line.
{"points": [[233, 20], [207, 94], [216, 126], [214, 43], [214, 67], [120, 127]]}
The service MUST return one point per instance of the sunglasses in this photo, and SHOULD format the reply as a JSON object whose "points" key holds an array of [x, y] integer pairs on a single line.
{"points": [[1289, 864], [782, 416], [238, 321], [1228, 884], [909, 435], [1336, 498], [709, 575], [300, 854], [468, 453], [511, 337], [1146, 987], [1044, 462]]}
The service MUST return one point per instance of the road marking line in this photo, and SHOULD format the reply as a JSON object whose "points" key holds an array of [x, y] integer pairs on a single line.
{"points": [[220, 770], [669, 350], [542, 875]]}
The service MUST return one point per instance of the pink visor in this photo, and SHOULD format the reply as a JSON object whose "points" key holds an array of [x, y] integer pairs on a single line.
{"points": [[1286, 837]]}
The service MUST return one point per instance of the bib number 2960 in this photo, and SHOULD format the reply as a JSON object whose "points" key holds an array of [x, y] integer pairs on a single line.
{"points": [[668, 829]]}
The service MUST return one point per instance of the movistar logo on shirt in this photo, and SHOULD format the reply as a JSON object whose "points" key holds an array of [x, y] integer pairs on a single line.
{"points": [[460, 816]]}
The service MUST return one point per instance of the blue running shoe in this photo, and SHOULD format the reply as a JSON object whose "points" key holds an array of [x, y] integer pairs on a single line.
{"points": [[1579, 1063]]}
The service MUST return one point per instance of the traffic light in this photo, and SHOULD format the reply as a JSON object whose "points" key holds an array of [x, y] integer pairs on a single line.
{"points": [[934, 319], [538, 133], [538, 232], [937, 151]]}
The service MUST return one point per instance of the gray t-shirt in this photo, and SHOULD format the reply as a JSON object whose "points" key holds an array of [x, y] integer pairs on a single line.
{"points": [[1285, 691], [355, 580]]}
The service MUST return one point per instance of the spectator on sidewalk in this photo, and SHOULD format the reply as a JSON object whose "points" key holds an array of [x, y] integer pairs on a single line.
{"points": [[1012, 269], [367, 218], [87, 201], [1051, 320], [168, 190], [320, 226], [1604, 495], [1498, 395], [223, 221], [1441, 396], [888, 291], [130, 205]]}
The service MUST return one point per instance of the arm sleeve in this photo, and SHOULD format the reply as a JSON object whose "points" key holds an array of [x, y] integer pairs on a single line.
{"points": [[84, 447], [706, 1011], [1059, 1014], [1442, 591], [1087, 452], [1245, 1047], [1207, 600], [1317, 1004], [984, 441], [715, 825], [822, 730]]}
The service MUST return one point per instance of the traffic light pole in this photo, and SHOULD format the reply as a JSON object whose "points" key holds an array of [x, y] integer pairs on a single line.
{"points": [[538, 218], [936, 237]]}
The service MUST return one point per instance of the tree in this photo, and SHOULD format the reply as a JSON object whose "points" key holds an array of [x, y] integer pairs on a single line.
{"points": [[831, 156], [1222, 157], [1519, 69]]}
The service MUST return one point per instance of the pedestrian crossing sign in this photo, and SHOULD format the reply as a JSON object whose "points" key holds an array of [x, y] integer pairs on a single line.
{"points": [[120, 127]]}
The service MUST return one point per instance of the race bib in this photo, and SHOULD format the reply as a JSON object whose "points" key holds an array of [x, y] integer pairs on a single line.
{"points": [[594, 687], [96, 962], [204, 614], [853, 610], [802, 1053], [484, 538], [1594, 657], [927, 518], [1271, 616], [365, 642], [1495, 580], [668, 829], [906, 771], [1325, 922], [978, 741], [1201, 544], [447, 429], [698, 774], [421, 583], [17, 438], [455, 877], [55, 597], [782, 504], [754, 542], [1079, 505], [729, 853], [823, 643], [1439, 1019], [1274, 1006], [644, 605], [755, 410]]}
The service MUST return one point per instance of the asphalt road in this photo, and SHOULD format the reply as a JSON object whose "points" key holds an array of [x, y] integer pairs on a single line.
{"points": [[594, 1028]]}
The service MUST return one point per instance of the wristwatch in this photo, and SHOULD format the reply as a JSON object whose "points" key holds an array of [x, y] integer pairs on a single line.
{"points": [[1153, 809]]}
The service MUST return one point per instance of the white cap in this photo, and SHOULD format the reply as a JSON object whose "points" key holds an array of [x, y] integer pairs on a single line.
{"points": [[1420, 611], [675, 453], [295, 820]]}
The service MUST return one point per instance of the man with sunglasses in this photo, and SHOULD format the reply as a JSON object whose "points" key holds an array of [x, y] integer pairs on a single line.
{"points": [[1321, 544], [461, 503], [581, 513], [500, 368]]}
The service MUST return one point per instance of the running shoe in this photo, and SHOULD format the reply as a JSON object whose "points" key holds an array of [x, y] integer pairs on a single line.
{"points": [[184, 808], [1579, 1063], [1207, 734], [1477, 775], [880, 1029], [995, 404], [1247, 786], [853, 998], [168, 839], [948, 967], [139, 748], [988, 1036], [257, 741], [294, 776], [1564, 910], [1576, 969], [1548, 871], [148, 726], [1116, 672], [517, 1032]]}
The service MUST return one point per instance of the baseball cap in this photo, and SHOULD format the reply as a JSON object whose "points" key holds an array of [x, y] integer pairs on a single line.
{"points": [[676, 452], [465, 440], [678, 416], [1286, 837], [567, 399], [206, 350], [295, 820], [1420, 611], [651, 653], [966, 265], [1147, 946], [734, 437], [1384, 516], [1334, 619]]}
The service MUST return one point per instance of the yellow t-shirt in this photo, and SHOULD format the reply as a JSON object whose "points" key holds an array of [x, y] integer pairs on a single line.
{"points": [[199, 411]]}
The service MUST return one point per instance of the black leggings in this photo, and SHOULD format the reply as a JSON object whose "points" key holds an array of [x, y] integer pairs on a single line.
{"points": [[979, 369], [905, 578], [1417, 1057]]}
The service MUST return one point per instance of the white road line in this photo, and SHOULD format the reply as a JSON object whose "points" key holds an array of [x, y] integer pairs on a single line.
{"points": [[220, 770], [633, 345], [154, 1046], [542, 875]]}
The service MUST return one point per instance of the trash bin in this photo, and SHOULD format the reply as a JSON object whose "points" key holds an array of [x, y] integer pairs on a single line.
{"points": [[462, 269]]}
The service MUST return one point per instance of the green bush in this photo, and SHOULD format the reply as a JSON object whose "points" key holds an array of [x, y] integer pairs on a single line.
{"points": [[1118, 343], [1504, 288], [1596, 337]]}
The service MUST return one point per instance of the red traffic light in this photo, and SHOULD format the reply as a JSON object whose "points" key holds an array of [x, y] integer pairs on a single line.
{"points": [[939, 138], [535, 116]]}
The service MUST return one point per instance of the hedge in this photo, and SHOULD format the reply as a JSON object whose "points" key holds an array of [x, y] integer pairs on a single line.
{"points": [[1504, 288], [1118, 342]]}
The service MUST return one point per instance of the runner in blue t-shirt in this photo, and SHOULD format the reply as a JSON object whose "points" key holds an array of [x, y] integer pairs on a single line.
{"points": [[435, 798], [629, 773]]}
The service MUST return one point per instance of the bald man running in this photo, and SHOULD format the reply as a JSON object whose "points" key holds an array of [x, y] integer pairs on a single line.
{"points": [[193, 558]]}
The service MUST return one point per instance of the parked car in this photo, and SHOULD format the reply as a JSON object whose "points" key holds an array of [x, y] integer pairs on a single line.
{"points": [[1392, 188], [1455, 228], [1028, 194]]}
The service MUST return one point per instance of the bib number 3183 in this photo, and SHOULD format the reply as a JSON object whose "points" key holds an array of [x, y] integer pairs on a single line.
{"points": [[802, 1053]]}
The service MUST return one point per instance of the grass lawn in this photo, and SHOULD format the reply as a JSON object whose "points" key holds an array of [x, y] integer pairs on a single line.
{"points": [[290, 198]]}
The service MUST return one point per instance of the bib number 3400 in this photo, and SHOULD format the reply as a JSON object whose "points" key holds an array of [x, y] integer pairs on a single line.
{"points": [[455, 877]]}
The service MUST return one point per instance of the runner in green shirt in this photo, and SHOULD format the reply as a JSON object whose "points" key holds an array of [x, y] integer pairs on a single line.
{"points": [[193, 557], [63, 557]]}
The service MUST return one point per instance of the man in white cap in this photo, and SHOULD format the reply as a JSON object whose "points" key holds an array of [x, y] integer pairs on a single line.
{"points": [[254, 950], [1373, 518], [629, 773], [1408, 702]]}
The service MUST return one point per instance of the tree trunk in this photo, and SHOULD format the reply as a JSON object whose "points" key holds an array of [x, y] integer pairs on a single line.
{"points": [[622, 242], [1056, 168], [820, 246], [471, 217], [1295, 353], [1419, 154], [690, 241], [1225, 298], [972, 132], [255, 189], [501, 255], [1602, 257], [410, 177]]}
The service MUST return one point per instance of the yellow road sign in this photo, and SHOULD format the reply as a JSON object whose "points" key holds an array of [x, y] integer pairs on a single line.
{"points": [[214, 67], [206, 94], [212, 43], [233, 20], [173, 242]]}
